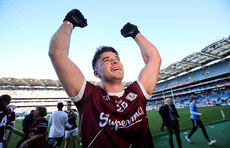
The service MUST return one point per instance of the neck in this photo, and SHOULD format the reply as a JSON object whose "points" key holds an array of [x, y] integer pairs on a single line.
{"points": [[113, 87], [39, 117]]}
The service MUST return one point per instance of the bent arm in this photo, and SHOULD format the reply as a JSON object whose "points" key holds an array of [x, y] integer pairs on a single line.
{"points": [[195, 113], [50, 121], [68, 73], [149, 74], [16, 131], [74, 113], [35, 138], [10, 132], [67, 125]]}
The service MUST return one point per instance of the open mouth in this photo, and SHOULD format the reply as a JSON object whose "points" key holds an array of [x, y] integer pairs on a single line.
{"points": [[115, 69]]}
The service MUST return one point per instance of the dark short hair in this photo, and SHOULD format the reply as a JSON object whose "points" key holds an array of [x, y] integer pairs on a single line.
{"points": [[32, 111], [5, 97], [69, 102], [60, 105], [192, 98], [101, 50], [42, 110]]}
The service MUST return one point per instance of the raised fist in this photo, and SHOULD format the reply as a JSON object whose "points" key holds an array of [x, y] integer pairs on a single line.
{"points": [[129, 30], [76, 18]]}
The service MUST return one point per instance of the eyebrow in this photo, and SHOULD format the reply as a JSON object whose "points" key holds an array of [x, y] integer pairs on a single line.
{"points": [[109, 57], [104, 58]]}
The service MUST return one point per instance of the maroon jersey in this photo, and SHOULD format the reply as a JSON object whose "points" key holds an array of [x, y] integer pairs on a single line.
{"points": [[110, 121], [71, 119], [39, 126], [4, 117], [11, 118]]}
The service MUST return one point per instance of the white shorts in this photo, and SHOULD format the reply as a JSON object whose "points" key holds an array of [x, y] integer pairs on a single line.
{"points": [[1, 145], [69, 133]]}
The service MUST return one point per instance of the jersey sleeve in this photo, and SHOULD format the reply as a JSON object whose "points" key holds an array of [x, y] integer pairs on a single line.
{"points": [[147, 96], [12, 118], [42, 127], [80, 94]]}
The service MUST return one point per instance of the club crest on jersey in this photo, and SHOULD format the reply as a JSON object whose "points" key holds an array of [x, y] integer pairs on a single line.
{"points": [[131, 96], [106, 98]]}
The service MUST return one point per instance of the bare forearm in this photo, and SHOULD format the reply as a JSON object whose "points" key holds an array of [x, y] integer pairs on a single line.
{"points": [[59, 45], [148, 50], [74, 114], [35, 138], [18, 132], [67, 72], [149, 74], [10, 132], [10, 135]]}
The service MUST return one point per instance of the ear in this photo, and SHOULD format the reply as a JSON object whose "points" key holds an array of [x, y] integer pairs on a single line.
{"points": [[96, 74]]}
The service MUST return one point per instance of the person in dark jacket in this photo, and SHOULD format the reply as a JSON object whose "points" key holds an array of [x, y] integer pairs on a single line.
{"points": [[171, 121], [161, 114], [26, 123]]}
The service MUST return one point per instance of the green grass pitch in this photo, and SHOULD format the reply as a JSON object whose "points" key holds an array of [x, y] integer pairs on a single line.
{"points": [[212, 115]]}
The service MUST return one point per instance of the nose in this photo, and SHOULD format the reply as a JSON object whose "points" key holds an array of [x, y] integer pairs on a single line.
{"points": [[114, 61]]}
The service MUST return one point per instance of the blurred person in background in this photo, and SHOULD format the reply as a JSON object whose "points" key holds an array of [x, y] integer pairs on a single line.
{"points": [[171, 121], [10, 121], [58, 121], [5, 113], [26, 123], [37, 131], [161, 109], [195, 117], [72, 120]]}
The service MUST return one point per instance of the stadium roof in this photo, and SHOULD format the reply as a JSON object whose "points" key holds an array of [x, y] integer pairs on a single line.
{"points": [[29, 82], [215, 52]]}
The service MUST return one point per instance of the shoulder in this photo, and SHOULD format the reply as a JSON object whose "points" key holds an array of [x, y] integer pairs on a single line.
{"points": [[174, 106], [133, 84], [64, 113], [134, 87], [43, 121], [9, 110], [191, 105], [90, 87], [92, 91], [87, 89], [53, 113], [166, 107], [60, 113]]}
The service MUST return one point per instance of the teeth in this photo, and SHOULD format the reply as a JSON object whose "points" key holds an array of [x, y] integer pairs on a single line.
{"points": [[115, 69]]}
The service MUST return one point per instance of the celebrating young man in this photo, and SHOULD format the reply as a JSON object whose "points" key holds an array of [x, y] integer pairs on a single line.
{"points": [[110, 116]]}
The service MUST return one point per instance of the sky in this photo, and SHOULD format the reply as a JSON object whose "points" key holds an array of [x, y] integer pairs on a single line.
{"points": [[177, 28]]}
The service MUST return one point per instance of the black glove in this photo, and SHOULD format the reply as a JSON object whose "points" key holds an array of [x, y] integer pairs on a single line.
{"points": [[129, 30], [76, 18]]}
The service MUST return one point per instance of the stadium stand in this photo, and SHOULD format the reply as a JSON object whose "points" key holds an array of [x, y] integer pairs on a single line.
{"points": [[205, 74]]}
